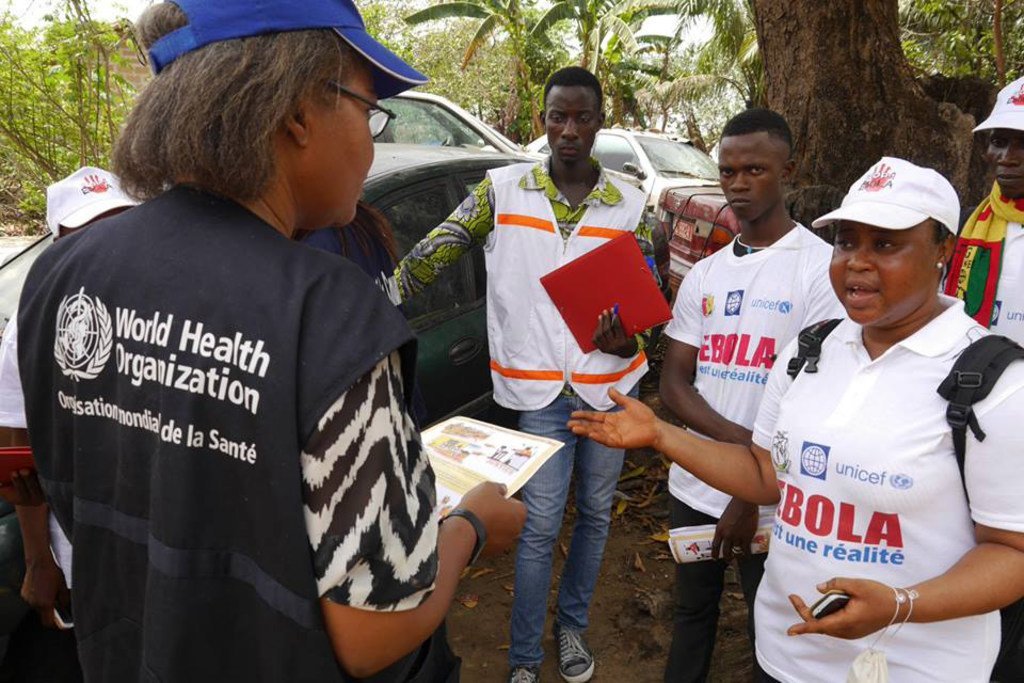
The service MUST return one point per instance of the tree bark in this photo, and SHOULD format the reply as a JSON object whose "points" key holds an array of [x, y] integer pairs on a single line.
{"points": [[837, 72], [997, 40]]}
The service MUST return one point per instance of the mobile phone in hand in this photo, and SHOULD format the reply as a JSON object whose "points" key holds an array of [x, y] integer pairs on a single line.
{"points": [[830, 603], [62, 616]]}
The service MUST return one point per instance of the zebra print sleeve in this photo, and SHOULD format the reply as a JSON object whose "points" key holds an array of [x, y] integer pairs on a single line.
{"points": [[368, 494]]}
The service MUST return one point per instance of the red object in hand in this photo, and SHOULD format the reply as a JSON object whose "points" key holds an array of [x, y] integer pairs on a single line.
{"points": [[612, 275], [14, 459]]}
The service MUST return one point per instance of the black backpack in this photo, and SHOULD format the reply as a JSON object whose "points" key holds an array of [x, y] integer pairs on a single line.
{"points": [[972, 378]]}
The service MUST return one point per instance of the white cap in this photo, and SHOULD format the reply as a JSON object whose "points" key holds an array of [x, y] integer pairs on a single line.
{"points": [[897, 195], [81, 197], [1009, 109]]}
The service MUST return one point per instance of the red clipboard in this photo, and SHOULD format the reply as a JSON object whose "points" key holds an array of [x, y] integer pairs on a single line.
{"points": [[13, 459], [614, 274]]}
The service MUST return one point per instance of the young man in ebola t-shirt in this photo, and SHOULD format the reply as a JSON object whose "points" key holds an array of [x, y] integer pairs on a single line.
{"points": [[734, 312]]}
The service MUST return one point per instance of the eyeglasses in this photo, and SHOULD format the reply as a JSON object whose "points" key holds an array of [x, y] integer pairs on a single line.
{"points": [[378, 116]]}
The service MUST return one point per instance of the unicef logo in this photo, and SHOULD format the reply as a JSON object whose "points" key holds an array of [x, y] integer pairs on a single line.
{"points": [[901, 482], [84, 336], [785, 306], [814, 460]]}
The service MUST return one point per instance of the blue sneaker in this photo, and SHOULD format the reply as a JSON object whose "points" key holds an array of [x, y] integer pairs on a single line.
{"points": [[575, 661], [525, 674]]}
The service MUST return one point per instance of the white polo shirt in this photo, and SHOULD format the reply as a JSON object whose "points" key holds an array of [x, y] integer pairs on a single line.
{"points": [[870, 489], [12, 414], [12, 402], [1008, 316], [740, 311]]}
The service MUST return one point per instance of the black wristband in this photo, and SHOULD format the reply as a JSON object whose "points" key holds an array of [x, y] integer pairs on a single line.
{"points": [[478, 527]]}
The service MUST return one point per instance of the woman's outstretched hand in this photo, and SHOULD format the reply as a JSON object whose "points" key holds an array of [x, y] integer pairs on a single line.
{"points": [[635, 426]]}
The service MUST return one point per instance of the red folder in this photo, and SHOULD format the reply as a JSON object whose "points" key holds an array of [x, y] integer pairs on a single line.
{"points": [[614, 274], [13, 459]]}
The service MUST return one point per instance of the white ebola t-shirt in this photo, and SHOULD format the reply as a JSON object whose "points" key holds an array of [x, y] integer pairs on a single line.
{"points": [[1008, 315], [870, 489], [740, 311]]}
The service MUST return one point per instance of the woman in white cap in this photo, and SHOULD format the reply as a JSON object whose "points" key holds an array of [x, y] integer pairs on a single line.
{"points": [[220, 416], [859, 457], [987, 271]]}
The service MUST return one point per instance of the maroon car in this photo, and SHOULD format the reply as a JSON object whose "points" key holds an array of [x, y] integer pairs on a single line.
{"points": [[696, 222]]}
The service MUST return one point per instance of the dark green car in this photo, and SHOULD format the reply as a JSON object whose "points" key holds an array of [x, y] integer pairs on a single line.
{"points": [[416, 187]]}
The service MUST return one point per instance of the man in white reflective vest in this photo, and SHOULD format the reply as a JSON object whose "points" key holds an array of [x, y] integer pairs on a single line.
{"points": [[531, 219]]}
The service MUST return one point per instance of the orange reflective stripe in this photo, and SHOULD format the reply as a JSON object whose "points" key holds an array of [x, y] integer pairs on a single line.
{"points": [[546, 375], [603, 233], [525, 222], [583, 378]]}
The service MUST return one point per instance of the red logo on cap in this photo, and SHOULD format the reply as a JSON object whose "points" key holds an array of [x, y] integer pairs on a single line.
{"points": [[879, 180], [94, 183], [1017, 99]]}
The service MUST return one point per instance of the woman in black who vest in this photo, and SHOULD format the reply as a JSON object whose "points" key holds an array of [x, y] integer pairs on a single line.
{"points": [[241, 478]]}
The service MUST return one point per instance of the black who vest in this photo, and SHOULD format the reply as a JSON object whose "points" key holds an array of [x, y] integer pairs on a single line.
{"points": [[176, 359]]}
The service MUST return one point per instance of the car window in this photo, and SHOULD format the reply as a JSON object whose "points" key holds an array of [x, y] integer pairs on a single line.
{"points": [[613, 151], [673, 159], [413, 213], [12, 277], [428, 123]]}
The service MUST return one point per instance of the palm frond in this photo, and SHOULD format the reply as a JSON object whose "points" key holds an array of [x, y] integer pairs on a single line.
{"points": [[448, 10], [560, 11], [484, 31]]}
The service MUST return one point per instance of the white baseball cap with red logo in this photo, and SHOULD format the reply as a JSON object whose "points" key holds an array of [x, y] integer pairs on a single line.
{"points": [[897, 195], [82, 197], [1009, 109]]}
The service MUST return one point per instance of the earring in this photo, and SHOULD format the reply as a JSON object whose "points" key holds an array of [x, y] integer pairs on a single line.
{"points": [[939, 265]]}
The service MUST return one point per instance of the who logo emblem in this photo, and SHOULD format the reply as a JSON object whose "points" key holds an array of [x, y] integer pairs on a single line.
{"points": [[84, 336]]}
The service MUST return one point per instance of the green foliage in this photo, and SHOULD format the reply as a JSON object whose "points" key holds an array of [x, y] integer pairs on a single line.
{"points": [[64, 91], [955, 37]]}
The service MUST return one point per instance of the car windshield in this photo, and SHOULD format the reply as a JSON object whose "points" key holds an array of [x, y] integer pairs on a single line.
{"points": [[671, 158], [12, 276], [428, 123]]}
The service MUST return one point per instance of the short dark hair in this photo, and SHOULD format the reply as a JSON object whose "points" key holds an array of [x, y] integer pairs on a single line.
{"points": [[575, 75], [759, 120]]}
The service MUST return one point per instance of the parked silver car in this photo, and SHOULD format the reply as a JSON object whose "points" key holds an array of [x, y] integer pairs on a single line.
{"points": [[426, 119]]}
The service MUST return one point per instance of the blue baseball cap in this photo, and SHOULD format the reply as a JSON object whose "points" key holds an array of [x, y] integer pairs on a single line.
{"points": [[211, 21]]}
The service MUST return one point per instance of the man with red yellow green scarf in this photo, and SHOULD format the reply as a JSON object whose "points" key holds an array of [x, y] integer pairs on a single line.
{"points": [[987, 271]]}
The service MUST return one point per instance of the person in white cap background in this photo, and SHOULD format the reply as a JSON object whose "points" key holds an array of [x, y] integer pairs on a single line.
{"points": [[859, 456], [73, 203], [987, 271], [243, 483]]}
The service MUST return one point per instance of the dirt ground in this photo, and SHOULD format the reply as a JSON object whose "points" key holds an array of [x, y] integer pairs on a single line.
{"points": [[631, 613]]}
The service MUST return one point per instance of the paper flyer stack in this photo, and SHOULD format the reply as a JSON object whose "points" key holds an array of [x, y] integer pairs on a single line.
{"points": [[693, 543]]}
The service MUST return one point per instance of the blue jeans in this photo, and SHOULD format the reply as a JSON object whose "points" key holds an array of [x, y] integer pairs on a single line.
{"points": [[597, 473]]}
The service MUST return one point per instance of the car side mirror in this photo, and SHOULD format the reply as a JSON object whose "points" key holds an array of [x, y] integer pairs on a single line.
{"points": [[632, 169]]}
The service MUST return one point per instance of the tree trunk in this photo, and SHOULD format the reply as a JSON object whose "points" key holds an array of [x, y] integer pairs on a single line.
{"points": [[837, 72], [997, 40]]}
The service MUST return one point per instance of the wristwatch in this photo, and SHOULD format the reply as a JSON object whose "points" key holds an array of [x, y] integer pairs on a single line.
{"points": [[478, 527]]}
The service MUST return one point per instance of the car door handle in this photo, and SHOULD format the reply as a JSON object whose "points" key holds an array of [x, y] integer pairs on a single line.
{"points": [[464, 350]]}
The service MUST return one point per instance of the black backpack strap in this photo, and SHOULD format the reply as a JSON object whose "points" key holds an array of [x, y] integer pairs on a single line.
{"points": [[972, 378], [808, 351]]}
